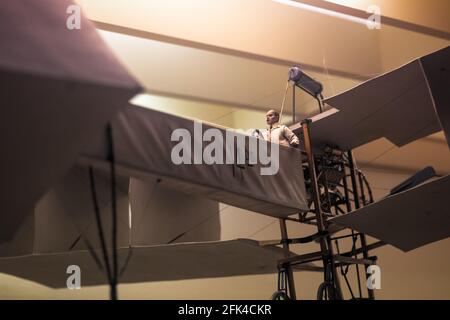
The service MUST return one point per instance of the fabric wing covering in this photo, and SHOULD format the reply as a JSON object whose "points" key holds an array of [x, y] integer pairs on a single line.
{"points": [[167, 202], [64, 219], [143, 147], [163, 234], [406, 220], [59, 89], [151, 263], [437, 70], [161, 215], [399, 105]]}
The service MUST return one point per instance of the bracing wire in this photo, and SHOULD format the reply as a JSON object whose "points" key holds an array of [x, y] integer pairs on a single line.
{"points": [[284, 100]]}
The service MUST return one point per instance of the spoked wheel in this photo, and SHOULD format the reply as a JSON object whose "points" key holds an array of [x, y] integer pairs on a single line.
{"points": [[280, 295], [331, 199], [326, 291]]}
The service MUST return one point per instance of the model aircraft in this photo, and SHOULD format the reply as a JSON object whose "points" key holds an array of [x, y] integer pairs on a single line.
{"points": [[89, 178]]}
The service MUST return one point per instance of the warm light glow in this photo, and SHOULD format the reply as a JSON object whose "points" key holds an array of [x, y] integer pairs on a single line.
{"points": [[322, 11], [357, 4]]}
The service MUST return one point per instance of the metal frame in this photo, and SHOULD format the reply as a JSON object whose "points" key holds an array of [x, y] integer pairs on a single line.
{"points": [[335, 264]]}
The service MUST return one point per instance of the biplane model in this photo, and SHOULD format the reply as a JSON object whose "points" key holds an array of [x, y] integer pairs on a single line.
{"points": [[87, 178]]}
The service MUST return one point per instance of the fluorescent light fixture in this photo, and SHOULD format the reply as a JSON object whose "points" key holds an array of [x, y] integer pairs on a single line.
{"points": [[322, 11]]}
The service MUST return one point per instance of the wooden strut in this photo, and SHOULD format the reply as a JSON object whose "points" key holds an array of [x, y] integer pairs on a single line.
{"points": [[316, 256], [289, 272], [365, 251], [326, 247]]}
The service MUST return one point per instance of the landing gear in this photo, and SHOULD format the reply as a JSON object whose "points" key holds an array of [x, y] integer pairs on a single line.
{"points": [[326, 291], [281, 293]]}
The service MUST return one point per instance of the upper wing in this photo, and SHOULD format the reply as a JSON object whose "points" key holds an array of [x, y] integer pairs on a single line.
{"points": [[59, 89], [399, 105], [143, 148]]}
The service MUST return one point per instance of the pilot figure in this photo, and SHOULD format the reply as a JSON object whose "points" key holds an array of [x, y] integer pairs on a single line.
{"points": [[285, 135]]}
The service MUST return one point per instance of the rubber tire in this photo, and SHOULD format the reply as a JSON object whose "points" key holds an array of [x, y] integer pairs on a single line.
{"points": [[325, 288], [280, 295]]}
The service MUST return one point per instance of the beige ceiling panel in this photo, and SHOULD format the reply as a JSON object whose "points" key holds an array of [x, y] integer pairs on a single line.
{"points": [[186, 108], [399, 46], [213, 78], [370, 151], [417, 155], [264, 28], [432, 14], [383, 180], [239, 223]]}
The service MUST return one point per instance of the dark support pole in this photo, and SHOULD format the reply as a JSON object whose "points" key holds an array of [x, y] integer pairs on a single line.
{"points": [[98, 221], [349, 208], [111, 159], [361, 186], [319, 99], [289, 272], [325, 244], [357, 206], [346, 193], [293, 103], [313, 178]]}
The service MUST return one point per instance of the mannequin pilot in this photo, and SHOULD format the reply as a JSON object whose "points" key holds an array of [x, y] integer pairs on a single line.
{"points": [[285, 135]]}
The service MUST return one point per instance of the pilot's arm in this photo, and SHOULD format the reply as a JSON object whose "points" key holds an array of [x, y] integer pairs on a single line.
{"points": [[290, 136]]}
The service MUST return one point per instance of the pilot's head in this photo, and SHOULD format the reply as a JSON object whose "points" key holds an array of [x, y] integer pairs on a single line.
{"points": [[272, 117]]}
